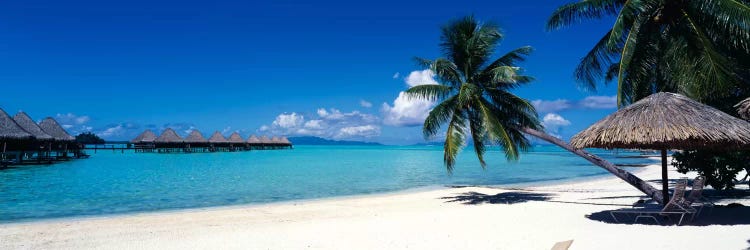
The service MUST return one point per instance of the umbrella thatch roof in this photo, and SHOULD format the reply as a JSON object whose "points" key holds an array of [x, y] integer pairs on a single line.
{"points": [[276, 140], [146, 136], [51, 127], [264, 139], [666, 121], [27, 124], [195, 136], [284, 140], [169, 136], [9, 129], [743, 108], [217, 138], [236, 138], [253, 140]]}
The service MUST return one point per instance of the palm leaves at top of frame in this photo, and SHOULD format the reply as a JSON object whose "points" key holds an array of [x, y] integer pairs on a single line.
{"points": [[689, 46]]}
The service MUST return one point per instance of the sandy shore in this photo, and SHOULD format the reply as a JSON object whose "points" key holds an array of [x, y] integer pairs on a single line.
{"points": [[448, 218]]}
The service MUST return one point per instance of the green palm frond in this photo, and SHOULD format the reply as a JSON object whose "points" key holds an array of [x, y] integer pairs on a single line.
{"points": [[571, 13], [596, 62], [468, 76], [430, 92], [439, 115]]}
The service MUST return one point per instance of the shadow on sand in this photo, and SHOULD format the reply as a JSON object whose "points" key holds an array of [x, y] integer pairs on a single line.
{"points": [[475, 198], [720, 215]]}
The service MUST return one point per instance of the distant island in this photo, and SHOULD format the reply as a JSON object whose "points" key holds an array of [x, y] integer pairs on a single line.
{"points": [[312, 140]]}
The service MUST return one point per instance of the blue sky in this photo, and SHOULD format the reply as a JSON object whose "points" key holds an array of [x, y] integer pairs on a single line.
{"points": [[328, 68]]}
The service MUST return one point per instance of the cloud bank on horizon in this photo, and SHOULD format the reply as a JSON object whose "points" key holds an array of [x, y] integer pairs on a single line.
{"points": [[332, 123]]}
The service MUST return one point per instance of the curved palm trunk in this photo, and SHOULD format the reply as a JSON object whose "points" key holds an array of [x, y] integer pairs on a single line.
{"points": [[631, 179]]}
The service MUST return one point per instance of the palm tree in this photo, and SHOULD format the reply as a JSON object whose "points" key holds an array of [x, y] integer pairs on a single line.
{"points": [[475, 98], [690, 47], [474, 92]]}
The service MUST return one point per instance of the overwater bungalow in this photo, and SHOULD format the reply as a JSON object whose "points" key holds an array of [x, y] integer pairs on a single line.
{"points": [[195, 142], [64, 142], [218, 142], [13, 139], [42, 143], [169, 142], [144, 142], [236, 142]]}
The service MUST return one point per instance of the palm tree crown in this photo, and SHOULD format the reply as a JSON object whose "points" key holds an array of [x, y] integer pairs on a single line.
{"points": [[474, 92], [689, 46]]}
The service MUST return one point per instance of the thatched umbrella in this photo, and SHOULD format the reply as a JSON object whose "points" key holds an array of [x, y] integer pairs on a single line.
{"points": [[146, 137], [169, 136], [51, 127], [9, 130], [743, 108], [665, 121], [195, 136], [236, 138], [27, 124], [217, 137], [253, 140]]}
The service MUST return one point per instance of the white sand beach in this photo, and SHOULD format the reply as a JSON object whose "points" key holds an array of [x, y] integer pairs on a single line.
{"points": [[531, 218]]}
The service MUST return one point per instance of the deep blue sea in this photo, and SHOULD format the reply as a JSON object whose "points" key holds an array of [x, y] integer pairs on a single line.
{"points": [[115, 182]]}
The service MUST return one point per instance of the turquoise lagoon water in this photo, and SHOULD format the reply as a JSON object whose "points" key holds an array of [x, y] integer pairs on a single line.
{"points": [[114, 182]]}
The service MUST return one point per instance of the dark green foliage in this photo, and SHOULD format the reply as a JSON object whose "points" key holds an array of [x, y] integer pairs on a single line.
{"points": [[719, 167], [696, 48], [89, 138], [474, 92]]}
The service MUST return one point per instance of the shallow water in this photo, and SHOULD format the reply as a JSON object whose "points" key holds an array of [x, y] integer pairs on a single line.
{"points": [[114, 182]]}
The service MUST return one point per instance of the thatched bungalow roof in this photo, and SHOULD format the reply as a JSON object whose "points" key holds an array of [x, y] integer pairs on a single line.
{"points": [[27, 124], [195, 136], [51, 127], [169, 136], [217, 138], [275, 140], [264, 139], [743, 108], [253, 140], [9, 129], [146, 137], [666, 121], [284, 140], [236, 138]]}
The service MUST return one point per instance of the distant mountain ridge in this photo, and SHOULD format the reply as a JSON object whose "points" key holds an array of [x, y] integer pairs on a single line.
{"points": [[312, 140]]}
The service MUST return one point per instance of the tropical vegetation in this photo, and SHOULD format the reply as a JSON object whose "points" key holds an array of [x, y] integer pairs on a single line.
{"points": [[474, 91], [89, 138], [697, 48]]}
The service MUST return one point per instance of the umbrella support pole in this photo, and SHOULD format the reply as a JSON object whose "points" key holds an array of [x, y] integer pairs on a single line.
{"points": [[664, 177]]}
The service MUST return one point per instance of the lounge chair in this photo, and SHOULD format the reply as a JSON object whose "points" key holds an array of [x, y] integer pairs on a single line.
{"points": [[677, 205], [562, 245], [696, 195]]}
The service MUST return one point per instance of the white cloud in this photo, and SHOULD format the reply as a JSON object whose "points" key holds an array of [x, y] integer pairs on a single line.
{"points": [[123, 131], [72, 119], [313, 124], [543, 106], [288, 120], [396, 75], [408, 111], [423, 77], [553, 123], [599, 102], [365, 104], [358, 131], [590, 102], [329, 123]]}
